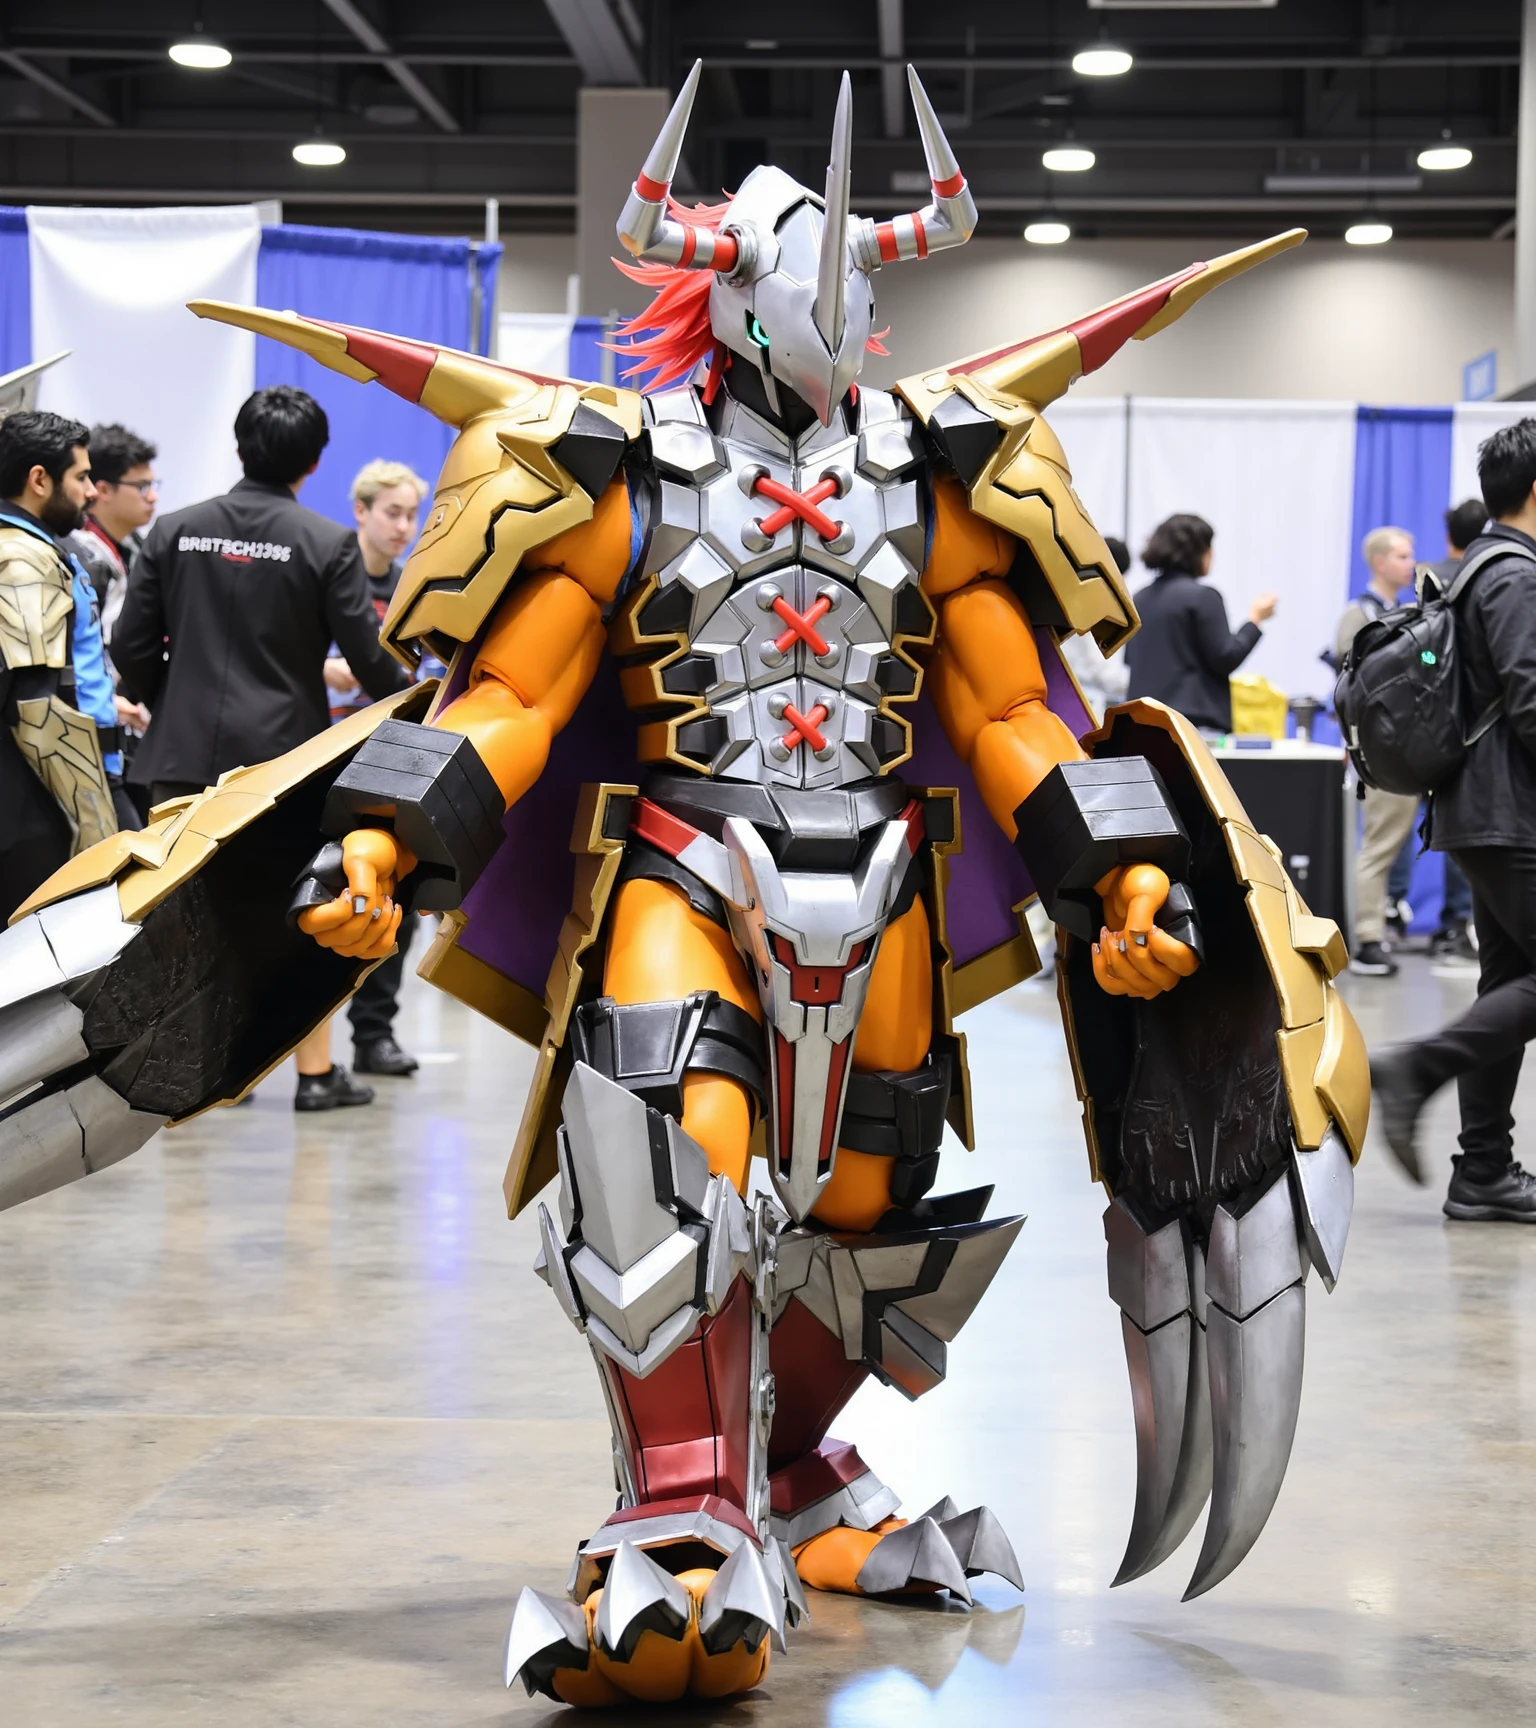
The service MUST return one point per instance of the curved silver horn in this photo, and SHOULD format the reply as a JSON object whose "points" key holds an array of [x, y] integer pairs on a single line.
{"points": [[948, 220], [645, 229]]}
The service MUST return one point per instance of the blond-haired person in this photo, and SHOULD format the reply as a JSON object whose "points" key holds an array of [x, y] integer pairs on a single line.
{"points": [[1389, 816], [386, 505]]}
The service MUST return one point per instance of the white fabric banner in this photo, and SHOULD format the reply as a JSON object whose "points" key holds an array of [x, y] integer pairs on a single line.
{"points": [[112, 286], [535, 342], [1471, 423], [1276, 482], [1093, 432]]}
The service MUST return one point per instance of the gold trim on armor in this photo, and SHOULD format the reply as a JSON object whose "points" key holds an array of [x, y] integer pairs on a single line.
{"points": [[63, 750], [533, 1161], [36, 602], [499, 471], [1026, 490]]}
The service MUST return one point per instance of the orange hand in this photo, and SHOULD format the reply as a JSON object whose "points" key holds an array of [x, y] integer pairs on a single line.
{"points": [[1135, 958], [361, 923]]}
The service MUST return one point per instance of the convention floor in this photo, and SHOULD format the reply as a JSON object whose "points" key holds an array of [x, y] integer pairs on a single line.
{"points": [[286, 1422]]}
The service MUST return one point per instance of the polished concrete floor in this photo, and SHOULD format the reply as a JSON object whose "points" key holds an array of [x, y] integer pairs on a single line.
{"points": [[286, 1422]]}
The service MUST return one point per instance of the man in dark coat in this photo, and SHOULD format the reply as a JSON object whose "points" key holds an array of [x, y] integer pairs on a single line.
{"points": [[230, 611]]}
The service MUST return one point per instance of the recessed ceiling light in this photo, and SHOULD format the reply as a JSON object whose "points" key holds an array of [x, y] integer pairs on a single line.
{"points": [[1369, 234], [1101, 62], [1068, 160], [1445, 156], [200, 54], [317, 153], [1047, 233]]}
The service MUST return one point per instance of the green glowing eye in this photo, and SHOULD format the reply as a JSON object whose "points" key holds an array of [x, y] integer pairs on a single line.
{"points": [[1428, 657], [756, 332]]}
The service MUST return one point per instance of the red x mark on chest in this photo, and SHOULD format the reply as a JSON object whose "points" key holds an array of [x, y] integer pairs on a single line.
{"points": [[802, 504], [802, 625], [805, 728]]}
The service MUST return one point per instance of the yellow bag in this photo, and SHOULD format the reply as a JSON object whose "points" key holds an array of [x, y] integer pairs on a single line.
{"points": [[1258, 708]]}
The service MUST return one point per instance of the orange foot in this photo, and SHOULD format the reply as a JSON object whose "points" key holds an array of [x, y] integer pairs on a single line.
{"points": [[938, 1551], [650, 1637]]}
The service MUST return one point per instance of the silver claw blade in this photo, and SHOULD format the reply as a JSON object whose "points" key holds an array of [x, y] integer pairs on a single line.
{"points": [[917, 1553], [941, 161], [1255, 1370], [1170, 1395], [742, 1605], [831, 280], [796, 1608], [546, 1633], [1325, 1200], [638, 1597], [981, 1544], [942, 1510]]}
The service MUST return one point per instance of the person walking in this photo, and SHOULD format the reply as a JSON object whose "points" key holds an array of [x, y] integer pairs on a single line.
{"points": [[1485, 818], [386, 504], [1389, 816], [224, 630], [1184, 654]]}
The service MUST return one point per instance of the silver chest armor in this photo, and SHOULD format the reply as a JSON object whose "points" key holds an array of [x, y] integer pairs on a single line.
{"points": [[790, 610]]}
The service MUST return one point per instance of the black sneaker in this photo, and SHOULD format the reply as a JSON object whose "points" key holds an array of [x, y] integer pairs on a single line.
{"points": [[1456, 941], [1509, 1197], [382, 1056], [1371, 960], [1399, 919], [1398, 1094], [333, 1091]]}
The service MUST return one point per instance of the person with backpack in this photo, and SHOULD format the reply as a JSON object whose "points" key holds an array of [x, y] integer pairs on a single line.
{"points": [[1483, 813], [1389, 816]]}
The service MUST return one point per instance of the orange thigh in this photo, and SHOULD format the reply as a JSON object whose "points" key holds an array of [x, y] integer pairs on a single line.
{"points": [[895, 1031], [660, 950]]}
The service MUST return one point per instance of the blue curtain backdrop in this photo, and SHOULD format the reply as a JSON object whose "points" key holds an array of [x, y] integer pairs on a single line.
{"points": [[395, 283], [587, 352], [15, 290], [1402, 470]]}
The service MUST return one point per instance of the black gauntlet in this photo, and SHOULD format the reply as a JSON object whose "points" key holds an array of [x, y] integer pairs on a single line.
{"points": [[429, 788], [1085, 818]]}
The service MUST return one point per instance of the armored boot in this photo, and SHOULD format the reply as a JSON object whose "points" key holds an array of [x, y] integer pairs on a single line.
{"points": [[682, 1589]]}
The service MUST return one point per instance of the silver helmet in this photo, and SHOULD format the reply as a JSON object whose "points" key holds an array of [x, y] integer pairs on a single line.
{"points": [[792, 292]]}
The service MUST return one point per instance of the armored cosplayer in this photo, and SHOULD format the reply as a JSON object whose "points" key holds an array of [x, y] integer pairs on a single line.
{"points": [[851, 756]]}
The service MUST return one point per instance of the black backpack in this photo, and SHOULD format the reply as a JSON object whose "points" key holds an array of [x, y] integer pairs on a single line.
{"points": [[1399, 697]]}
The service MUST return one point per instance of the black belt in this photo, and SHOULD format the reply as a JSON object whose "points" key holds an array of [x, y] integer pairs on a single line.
{"points": [[110, 738]]}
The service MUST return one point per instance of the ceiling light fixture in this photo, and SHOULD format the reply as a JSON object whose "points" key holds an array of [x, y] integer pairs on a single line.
{"points": [[318, 153], [1440, 156], [1047, 233], [1071, 159], [1368, 233], [1101, 62], [200, 54]]}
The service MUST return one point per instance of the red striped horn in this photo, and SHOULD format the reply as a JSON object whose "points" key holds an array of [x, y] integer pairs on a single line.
{"points": [[647, 228], [949, 219]]}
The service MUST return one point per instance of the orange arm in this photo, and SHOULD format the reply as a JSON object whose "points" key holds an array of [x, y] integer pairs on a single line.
{"points": [[985, 676], [988, 687], [531, 671], [542, 650]]}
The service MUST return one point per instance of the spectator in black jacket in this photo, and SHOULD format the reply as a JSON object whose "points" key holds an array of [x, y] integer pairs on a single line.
{"points": [[223, 634], [1485, 818], [1184, 653]]}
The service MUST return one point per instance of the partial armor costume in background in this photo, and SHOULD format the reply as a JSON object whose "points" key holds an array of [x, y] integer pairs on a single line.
{"points": [[55, 799], [834, 614]]}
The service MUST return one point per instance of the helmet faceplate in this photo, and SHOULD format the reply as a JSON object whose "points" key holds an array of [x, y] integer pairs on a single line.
{"points": [[766, 310]]}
